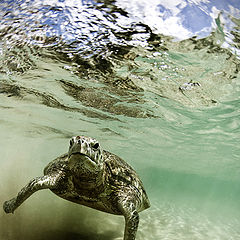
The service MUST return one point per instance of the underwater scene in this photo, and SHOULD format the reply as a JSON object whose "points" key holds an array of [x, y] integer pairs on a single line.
{"points": [[156, 82]]}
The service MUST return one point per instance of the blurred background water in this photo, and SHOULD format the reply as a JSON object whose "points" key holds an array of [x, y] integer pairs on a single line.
{"points": [[156, 82]]}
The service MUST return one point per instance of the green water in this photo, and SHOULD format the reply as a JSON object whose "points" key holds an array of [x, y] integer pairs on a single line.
{"points": [[182, 139]]}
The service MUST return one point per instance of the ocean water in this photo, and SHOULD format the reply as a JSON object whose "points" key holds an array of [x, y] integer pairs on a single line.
{"points": [[156, 82]]}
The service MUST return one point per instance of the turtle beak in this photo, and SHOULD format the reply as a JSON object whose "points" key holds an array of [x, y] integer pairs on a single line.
{"points": [[74, 147]]}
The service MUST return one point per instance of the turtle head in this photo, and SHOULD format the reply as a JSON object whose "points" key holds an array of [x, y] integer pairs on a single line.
{"points": [[85, 153]]}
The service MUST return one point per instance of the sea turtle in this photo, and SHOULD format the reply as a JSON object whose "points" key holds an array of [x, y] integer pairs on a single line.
{"points": [[93, 177]]}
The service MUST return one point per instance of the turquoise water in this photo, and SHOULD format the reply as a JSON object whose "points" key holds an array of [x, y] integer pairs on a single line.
{"points": [[168, 105]]}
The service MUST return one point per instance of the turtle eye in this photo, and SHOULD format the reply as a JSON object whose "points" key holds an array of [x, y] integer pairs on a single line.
{"points": [[95, 146], [71, 142]]}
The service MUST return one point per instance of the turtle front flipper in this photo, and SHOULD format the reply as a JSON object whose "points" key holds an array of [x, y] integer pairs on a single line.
{"points": [[34, 185], [130, 213]]}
